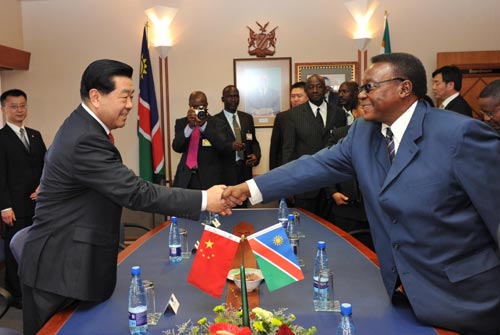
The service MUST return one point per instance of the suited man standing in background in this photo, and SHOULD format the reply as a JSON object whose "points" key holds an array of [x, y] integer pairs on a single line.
{"points": [[239, 130], [22, 151], [70, 253], [308, 127], [428, 180], [446, 85], [200, 166], [489, 104]]}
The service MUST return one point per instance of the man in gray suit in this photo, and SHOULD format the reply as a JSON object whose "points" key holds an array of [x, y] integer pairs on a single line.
{"points": [[308, 127], [71, 250]]}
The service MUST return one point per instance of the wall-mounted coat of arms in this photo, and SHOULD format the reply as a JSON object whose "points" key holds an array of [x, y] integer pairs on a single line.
{"points": [[262, 44]]}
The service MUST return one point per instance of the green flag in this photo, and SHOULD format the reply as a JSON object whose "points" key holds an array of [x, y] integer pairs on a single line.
{"points": [[385, 48]]}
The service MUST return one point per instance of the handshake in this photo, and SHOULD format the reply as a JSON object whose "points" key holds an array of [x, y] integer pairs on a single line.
{"points": [[221, 198]]}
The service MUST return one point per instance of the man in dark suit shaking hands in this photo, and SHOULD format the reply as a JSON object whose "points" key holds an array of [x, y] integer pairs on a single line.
{"points": [[428, 181], [21, 162], [71, 250]]}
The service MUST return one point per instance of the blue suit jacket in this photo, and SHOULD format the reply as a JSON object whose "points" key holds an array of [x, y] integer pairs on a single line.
{"points": [[434, 213]]}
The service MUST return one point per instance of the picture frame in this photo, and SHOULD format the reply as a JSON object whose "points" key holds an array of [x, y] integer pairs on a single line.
{"points": [[335, 72], [264, 85]]}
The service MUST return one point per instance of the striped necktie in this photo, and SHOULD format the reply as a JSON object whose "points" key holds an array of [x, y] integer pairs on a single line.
{"points": [[237, 135], [389, 139]]}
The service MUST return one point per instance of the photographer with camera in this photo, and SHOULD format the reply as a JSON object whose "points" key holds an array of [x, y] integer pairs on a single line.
{"points": [[199, 137]]}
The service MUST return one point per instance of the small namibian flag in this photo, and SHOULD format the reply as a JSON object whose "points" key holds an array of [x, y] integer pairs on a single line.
{"points": [[385, 47], [275, 257]]}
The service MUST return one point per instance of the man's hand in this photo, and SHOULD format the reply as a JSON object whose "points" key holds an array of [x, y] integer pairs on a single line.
{"points": [[215, 203], [340, 199], [193, 118], [238, 146], [251, 160], [8, 216], [34, 195], [235, 195]]}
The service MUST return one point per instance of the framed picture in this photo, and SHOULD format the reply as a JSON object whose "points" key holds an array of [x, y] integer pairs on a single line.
{"points": [[335, 73], [264, 85]]}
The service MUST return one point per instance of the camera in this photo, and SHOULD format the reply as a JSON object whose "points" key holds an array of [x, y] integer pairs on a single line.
{"points": [[201, 113]]}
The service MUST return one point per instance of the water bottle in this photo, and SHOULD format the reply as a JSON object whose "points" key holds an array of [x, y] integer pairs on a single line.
{"points": [[137, 304], [322, 297], [292, 233], [174, 242], [283, 213], [346, 326]]}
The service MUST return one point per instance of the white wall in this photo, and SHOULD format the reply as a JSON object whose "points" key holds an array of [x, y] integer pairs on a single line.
{"points": [[64, 36]]}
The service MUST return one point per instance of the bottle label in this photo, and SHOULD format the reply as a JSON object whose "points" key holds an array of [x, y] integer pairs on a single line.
{"points": [[175, 251], [139, 318]]}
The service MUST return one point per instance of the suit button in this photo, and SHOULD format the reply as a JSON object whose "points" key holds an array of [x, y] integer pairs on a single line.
{"points": [[394, 269], [395, 246], [394, 221]]}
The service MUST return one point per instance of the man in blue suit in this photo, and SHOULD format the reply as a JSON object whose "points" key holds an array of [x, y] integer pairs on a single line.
{"points": [[433, 209]]}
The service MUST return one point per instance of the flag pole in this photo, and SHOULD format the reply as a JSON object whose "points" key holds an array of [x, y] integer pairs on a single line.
{"points": [[244, 295]]}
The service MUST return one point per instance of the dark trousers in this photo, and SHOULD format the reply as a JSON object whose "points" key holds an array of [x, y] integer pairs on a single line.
{"points": [[11, 278], [39, 306]]}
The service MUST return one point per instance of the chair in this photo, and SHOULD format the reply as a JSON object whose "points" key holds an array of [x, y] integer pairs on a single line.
{"points": [[364, 236], [129, 225], [5, 296]]}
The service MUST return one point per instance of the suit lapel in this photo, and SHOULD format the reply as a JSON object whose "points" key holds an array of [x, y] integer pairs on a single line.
{"points": [[408, 148], [12, 134]]}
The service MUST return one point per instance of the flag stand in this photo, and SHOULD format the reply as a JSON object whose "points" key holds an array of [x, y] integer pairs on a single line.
{"points": [[244, 295]]}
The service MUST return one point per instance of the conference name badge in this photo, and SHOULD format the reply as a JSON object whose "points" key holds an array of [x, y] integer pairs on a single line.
{"points": [[172, 305], [249, 137]]}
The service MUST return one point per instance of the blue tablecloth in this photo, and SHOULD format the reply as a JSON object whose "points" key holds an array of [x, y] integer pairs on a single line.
{"points": [[356, 280]]}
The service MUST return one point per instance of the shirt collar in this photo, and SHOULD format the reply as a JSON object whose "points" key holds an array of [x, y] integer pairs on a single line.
{"points": [[315, 107], [106, 129], [399, 126], [15, 128], [451, 97]]}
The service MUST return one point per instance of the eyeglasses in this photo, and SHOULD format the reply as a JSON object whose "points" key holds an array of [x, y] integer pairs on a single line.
{"points": [[18, 107], [369, 87], [490, 114]]}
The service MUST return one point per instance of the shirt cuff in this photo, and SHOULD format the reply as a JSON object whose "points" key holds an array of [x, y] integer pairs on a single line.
{"points": [[203, 200], [6, 209], [255, 195]]}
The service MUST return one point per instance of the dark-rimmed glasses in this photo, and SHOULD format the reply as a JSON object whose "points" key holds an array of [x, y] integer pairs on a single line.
{"points": [[490, 114], [370, 86]]}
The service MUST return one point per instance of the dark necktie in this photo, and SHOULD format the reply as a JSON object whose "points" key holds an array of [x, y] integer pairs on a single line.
{"points": [[111, 138], [319, 118], [390, 143], [237, 134], [22, 132], [194, 142]]}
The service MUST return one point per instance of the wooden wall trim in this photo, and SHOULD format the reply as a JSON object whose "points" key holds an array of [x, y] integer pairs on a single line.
{"points": [[14, 59]]}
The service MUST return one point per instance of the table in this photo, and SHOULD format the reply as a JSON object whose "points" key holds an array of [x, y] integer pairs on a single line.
{"points": [[356, 280]]}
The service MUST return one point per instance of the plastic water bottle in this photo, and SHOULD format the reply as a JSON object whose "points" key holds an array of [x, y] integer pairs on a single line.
{"points": [[137, 304], [174, 242], [283, 213], [292, 233], [321, 288], [346, 326]]}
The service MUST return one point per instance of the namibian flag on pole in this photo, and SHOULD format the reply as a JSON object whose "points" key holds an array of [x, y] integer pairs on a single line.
{"points": [[151, 158], [275, 257], [385, 48]]}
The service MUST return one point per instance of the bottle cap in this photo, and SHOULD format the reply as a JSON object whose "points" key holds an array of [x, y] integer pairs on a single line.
{"points": [[173, 219], [346, 309], [136, 270], [321, 244], [291, 217]]}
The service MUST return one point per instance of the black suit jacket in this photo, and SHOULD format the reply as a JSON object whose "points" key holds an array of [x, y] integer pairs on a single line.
{"points": [[20, 170], [211, 147], [232, 175], [276, 149], [304, 136], [459, 105], [72, 247]]}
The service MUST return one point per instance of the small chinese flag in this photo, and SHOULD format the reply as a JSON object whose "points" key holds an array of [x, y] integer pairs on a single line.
{"points": [[213, 261]]}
